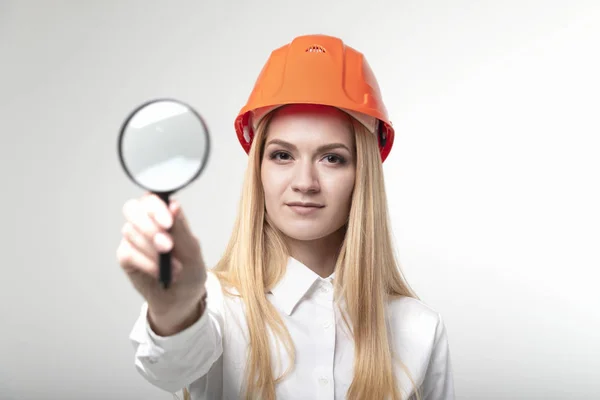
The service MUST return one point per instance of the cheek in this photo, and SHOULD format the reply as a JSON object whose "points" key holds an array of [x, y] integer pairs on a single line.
{"points": [[348, 189], [341, 187], [273, 185]]}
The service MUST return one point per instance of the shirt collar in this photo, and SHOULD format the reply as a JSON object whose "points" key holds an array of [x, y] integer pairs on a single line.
{"points": [[294, 284]]}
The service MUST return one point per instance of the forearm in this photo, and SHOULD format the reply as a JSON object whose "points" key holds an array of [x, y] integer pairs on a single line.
{"points": [[179, 348]]}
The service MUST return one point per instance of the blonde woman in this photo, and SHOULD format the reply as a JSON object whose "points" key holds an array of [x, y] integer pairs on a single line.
{"points": [[308, 301]]}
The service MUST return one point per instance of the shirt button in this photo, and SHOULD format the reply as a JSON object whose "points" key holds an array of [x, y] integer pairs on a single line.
{"points": [[324, 289], [327, 325], [323, 380]]}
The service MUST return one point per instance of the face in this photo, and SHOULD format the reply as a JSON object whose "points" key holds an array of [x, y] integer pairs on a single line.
{"points": [[308, 170]]}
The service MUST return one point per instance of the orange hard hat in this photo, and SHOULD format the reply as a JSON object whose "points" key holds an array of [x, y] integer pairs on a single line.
{"points": [[317, 69]]}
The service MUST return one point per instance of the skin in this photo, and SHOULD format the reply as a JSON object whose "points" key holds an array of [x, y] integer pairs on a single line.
{"points": [[309, 157]]}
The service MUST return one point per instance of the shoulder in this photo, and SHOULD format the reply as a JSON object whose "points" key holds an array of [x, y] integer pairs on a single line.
{"points": [[414, 309], [412, 319], [225, 304], [419, 335], [216, 288], [220, 295]]}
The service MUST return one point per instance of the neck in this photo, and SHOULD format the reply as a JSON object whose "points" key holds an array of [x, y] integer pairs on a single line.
{"points": [[320, 255]]}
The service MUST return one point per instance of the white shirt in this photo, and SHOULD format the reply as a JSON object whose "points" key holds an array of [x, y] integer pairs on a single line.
{"points": [[209, 357]]}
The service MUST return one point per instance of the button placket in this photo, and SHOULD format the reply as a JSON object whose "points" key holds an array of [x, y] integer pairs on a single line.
{"points": [[323, 374]]}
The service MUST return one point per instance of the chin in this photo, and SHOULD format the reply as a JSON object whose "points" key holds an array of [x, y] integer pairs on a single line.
{"points": [[306, 231], [304, 234]]}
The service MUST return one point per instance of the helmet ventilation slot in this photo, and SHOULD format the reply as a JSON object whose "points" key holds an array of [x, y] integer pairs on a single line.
{"points": [[316, 49]]}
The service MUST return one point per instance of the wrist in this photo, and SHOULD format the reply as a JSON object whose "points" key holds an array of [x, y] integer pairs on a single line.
{"points": [[177, 319]]}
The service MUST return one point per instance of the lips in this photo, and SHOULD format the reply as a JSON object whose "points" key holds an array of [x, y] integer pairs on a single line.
{"points": [[304, 208], [305, 204]]}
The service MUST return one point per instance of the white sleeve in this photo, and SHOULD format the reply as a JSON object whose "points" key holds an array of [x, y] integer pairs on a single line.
{"points": [[439, 382], [174, 362]]}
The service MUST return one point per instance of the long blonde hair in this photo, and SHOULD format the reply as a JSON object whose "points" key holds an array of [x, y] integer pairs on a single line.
{"points": [[367, 275]]}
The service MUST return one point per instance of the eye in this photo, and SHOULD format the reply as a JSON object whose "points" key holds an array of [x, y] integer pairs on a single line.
{"points": [[280, 156], [335, 159]]}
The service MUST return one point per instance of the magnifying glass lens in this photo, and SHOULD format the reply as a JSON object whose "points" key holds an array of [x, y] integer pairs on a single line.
{"points": [[164, 145]]}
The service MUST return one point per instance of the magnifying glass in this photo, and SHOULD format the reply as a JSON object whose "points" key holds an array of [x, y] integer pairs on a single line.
{"points": [[163, 146]]}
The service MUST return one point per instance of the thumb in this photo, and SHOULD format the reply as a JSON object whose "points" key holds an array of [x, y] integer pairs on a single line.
{"points": [[185, 244], [180, 223]]}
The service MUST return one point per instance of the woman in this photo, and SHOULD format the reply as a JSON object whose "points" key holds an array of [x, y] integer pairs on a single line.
{"points": [[307, 301]]}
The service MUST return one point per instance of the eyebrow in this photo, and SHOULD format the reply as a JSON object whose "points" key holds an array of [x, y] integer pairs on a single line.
{"points": [[330, 146]]}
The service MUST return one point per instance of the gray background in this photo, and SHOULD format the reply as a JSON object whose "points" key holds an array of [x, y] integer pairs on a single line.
{"points": [[493, 181]]}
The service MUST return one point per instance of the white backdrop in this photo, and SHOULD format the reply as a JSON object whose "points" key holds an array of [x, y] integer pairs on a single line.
{"points": [[493, 181]]}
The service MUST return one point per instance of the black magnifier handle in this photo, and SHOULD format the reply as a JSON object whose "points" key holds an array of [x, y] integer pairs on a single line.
{"points": [[165, 258]]}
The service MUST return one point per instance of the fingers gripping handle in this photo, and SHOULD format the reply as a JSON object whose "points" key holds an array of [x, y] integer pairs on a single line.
{"points": [[165, 269], [165, 258]]}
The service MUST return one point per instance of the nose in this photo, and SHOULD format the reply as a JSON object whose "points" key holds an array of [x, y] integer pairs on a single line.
{"points": [[305, 179]]}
